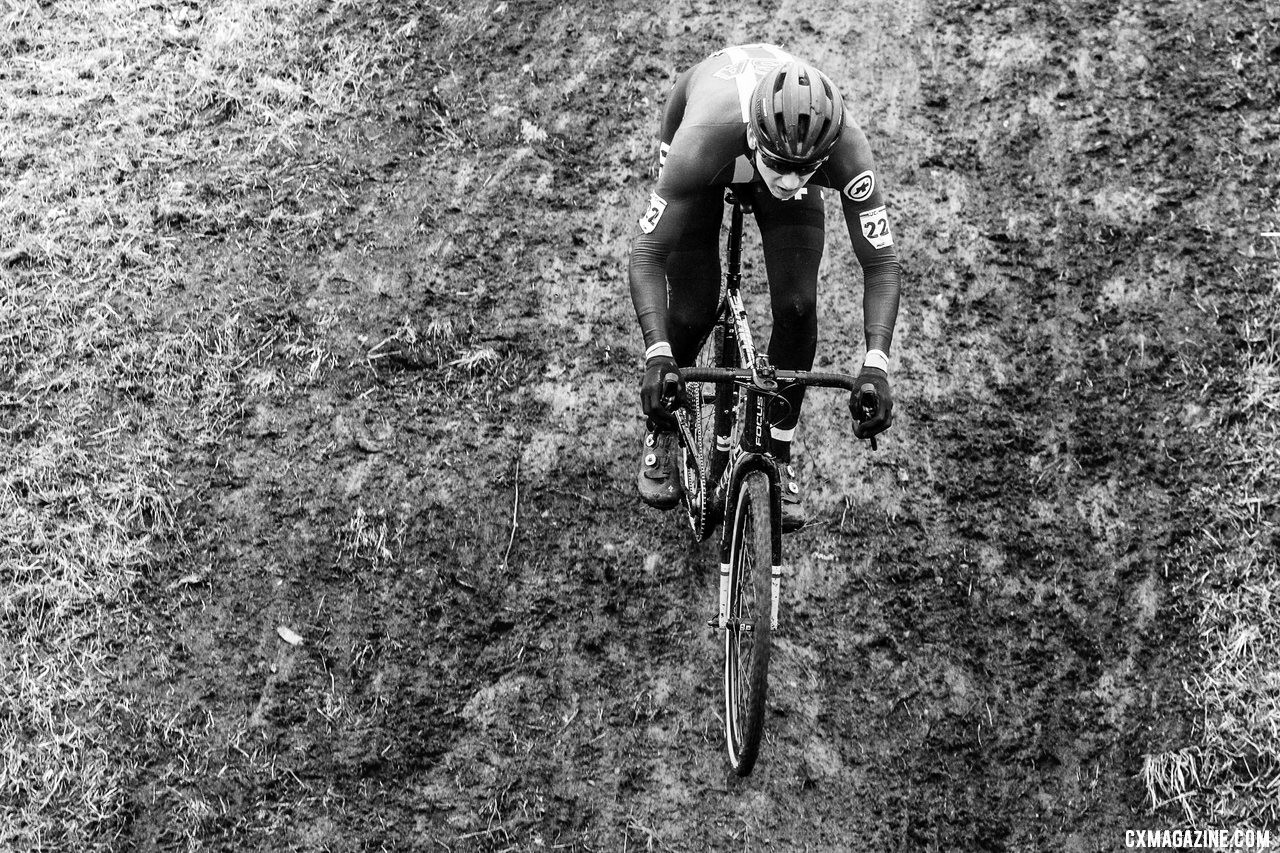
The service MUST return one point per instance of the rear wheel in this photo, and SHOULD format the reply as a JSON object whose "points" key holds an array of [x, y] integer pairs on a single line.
{"points": [[748, 631]]}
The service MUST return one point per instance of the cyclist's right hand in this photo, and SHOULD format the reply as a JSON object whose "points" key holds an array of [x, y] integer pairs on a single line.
{"points": [[872, 405], [660, 389]]}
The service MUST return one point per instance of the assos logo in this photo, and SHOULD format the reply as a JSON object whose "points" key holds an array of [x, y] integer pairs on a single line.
{"points": [[859, 189]]}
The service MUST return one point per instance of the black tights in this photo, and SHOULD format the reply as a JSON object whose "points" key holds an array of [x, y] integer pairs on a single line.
{"points": [[792, 236]]}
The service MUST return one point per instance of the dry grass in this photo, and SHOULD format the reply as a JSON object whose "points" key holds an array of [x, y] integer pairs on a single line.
{"points": [[370, 542], [1232, 777], [128, 128]]}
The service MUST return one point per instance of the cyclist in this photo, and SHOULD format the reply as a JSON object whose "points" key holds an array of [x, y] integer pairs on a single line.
{"points": [[774, 128]]}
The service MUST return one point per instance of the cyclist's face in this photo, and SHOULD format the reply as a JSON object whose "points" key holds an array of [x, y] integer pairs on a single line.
{"points": [[782, 182]]}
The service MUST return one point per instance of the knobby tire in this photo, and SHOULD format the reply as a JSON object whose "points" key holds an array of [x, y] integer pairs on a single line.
{"points": [[748, 634]]}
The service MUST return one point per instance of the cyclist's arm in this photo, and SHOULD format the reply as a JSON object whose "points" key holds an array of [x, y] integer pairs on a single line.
{"points": [[881, 277], [692, 164], [659, 227], [867, 218]]}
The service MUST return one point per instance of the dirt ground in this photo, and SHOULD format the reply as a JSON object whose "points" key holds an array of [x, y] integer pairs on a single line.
{"points": [[987, 627]]}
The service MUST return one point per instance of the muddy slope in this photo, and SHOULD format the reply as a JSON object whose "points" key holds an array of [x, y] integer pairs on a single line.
{"points": [[502, 650]]}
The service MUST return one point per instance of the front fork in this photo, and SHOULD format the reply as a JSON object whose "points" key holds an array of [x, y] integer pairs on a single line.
{"points": [[734, 474]]}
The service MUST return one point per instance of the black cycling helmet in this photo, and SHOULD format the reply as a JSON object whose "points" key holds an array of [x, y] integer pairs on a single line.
{"points": [[796, 115]]}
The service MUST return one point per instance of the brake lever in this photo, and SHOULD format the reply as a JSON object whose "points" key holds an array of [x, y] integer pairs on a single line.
{"points": [[670, 391], [868, 403]]}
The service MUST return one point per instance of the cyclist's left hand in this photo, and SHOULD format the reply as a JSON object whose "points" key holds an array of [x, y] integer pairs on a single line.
{"points": [[867, 424]]}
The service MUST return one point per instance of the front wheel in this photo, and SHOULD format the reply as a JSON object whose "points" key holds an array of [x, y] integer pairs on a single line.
{"points": [[748, 631]]}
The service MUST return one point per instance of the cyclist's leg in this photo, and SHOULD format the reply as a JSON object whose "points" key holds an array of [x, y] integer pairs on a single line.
{"points": [[693, 278], [792, 235]]}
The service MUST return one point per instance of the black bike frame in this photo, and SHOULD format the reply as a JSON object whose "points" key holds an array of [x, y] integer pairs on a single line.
{"points": [[746, 385], [759, 381], [752, 453]]}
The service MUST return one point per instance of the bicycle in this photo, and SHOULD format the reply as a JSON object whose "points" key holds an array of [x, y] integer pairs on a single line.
{"points": [[727, 471]]}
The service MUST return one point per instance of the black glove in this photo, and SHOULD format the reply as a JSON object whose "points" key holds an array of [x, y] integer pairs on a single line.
{"points": [[872, 403], [660, 389]]}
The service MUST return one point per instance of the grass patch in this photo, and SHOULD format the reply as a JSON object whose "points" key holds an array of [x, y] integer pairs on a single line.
{"points": [[132, 130], [1231, 777]]}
